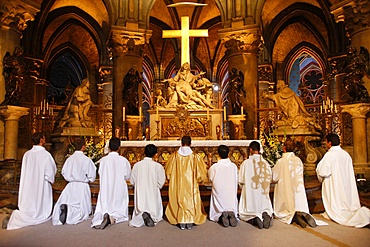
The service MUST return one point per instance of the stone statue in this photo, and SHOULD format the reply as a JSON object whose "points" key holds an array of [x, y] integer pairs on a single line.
{"points": [[356, 66], [294, 114], [160, 101], [130, 95], [15, 70], [76, 113], [237, 91], [187, 89]]}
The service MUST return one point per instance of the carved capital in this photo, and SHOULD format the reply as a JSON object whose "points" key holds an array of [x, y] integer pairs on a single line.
{"points": [[357, 110], [124, 42], [355, 14], [13, 112], [244, 41], [265, 72], [17, 13]]}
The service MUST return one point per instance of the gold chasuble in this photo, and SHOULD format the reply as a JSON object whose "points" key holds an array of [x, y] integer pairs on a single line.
{"points": [[184, 174]]}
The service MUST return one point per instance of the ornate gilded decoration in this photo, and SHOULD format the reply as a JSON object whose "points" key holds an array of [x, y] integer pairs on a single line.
{"points": [[128, 42], [265, 72], [18, 13], [242, 41]]}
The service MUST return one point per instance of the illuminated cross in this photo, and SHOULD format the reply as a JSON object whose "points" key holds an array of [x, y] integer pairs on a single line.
{"points": [[185, 33]]}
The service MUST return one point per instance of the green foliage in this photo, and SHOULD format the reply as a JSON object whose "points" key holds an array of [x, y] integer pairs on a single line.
{"points": [[95, 151]]}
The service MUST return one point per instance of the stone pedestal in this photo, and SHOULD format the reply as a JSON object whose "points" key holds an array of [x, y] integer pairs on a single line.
{"points": [[63, 137], [311, 141], [358, 113], [173, 123], [11, 115]]}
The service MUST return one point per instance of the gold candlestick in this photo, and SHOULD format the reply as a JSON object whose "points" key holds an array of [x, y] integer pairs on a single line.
{"points": [[124, 137], [140, 130], [225, 134], [244, 137], [157, 135]]}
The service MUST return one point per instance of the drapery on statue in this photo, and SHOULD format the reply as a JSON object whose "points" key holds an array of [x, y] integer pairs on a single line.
{"points": [[294, 114], [356, 67], [130, 95], [76, 113], [14, 71], [188, 89], [237, 91]]}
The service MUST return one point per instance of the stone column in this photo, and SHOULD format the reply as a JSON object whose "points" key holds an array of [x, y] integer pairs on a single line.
{"points": [[356, 17], [127, 53], [243, 47], [14, 16], [12, 115], [358, 113]]}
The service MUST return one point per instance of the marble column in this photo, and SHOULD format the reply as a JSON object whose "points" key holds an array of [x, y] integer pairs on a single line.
{"points": [[127, 49], [12, 115], [243, 47], [358, 113]]}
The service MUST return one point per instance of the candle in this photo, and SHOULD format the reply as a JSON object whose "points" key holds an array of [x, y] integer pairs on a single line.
{"points": [[207, 113], [241, 111], [224, 113], [321, 109], [47, 106], [157, 114], [124, 114], [140, 113]]}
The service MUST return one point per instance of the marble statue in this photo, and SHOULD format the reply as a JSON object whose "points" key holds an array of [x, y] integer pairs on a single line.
{"points": [[76, 113], [294, 114]]}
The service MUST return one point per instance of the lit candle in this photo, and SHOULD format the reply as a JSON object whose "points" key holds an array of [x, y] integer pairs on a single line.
{"points": [[140, 113], [47, 106], [321, 109], [157, 114], [241, 111], [124, 114], [224, 113], [207, 113]]}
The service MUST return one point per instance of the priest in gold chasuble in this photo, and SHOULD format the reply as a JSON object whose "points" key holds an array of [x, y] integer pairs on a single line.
{"points": [[185, 170]]}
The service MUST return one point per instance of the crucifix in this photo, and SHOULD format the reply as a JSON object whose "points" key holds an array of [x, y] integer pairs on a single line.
{"points": [[185, 33]]}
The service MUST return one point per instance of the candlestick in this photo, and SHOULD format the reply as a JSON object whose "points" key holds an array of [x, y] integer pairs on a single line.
{"points": [[140, 113], [225, 114], [124, 114], [157, 114], [241, 111]]}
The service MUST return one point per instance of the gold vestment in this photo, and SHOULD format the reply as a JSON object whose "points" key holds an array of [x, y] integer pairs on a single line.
{"points": [[184, 174]]}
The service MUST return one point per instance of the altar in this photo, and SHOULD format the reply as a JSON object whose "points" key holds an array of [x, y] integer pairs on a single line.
{"points": [[207, 149]]}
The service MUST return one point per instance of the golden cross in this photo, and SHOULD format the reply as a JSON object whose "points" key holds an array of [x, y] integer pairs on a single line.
{"points": [[185, 33]]}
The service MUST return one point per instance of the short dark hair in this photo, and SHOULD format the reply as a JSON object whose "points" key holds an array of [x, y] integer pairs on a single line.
{"points": [[185, 141], [289, 145], [333, 138], [79, 142], [36, 137], [255, 146], [150, 150], [223, 151], [114, 144]]}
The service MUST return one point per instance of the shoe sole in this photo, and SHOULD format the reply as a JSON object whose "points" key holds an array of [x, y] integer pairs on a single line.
{"points": [[148, 221], [106, 221], [266, 220], [310, 220], [225, 219], [258, 222], [232, 219], [63, 213]]}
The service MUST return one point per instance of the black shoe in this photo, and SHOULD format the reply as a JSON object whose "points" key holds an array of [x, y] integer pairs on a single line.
{"points": [[309, 219], [63, 213], [256, 222], [148, 221], [225, 219], [189, 226], [106, 221], [298, 218], [182, 226], [266, 220], [232, 219]]}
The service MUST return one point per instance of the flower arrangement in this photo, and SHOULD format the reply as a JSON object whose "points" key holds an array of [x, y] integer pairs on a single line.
{"points": [[272, 147], [95, 151]]}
